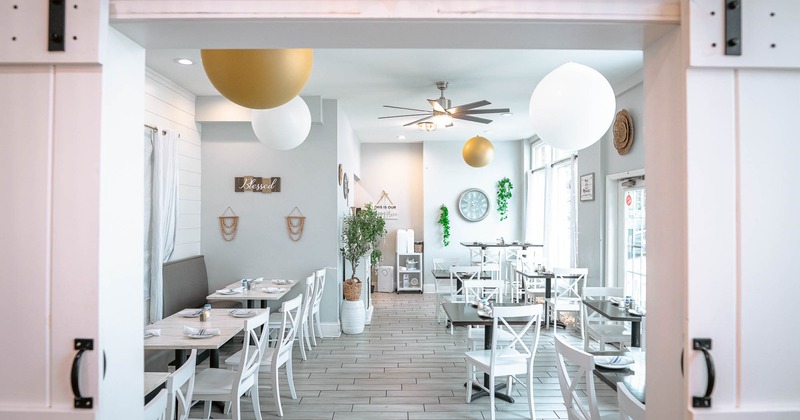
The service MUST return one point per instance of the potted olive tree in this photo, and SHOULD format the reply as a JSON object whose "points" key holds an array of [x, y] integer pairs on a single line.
{"points": [[360, 235]]}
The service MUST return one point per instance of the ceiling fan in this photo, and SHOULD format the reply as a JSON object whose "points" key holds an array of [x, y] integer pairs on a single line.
{"points": [[442, 113]]}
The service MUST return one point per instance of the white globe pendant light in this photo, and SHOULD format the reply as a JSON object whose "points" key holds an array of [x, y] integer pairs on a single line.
{"points": [[572, 107], [284, 127]]}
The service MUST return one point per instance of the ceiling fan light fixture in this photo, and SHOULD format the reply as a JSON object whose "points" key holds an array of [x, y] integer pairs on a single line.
{"points": [[427, 126], [442, 119]]}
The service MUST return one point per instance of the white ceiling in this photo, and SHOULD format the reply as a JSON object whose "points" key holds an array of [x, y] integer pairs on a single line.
{"points": [[363, 80]]}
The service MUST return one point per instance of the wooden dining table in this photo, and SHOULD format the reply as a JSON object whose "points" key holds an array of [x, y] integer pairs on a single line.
{"points": [[173, 338], [614, 312], [255, 294], [464, 314], [633, 376]]}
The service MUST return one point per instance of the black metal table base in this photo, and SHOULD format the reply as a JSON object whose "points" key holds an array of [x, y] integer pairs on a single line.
{"points": [[497, 387]]}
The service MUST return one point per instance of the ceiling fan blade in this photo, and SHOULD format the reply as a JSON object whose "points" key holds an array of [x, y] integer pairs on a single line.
{"points": [[473, 119], [462, 108], [417, 121], [409, 109], [406, 115], [485, 111], [436, 105]]}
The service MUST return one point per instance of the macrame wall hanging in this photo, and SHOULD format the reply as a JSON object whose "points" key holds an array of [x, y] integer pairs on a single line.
{"points": [[228, 225], [295, 224]]}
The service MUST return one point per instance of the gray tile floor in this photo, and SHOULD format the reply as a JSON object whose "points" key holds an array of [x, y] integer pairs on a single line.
{"points": [[405, 366]]}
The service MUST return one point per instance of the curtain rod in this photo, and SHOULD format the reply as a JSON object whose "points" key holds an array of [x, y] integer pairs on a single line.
{"points": [[154, 128]]}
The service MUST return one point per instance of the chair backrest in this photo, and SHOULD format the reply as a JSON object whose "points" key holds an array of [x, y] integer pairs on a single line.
{"points": [[319, 287], [493, 270], [500, 317], [309, 296], [571, 387], [290, 323], [591, 293], [179, 402], [458, 274], [490, 289], [569, 282], [250, 360], [630, 408], [156, 409], [444, 263]]}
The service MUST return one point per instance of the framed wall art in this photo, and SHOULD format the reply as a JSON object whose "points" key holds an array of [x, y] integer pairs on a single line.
{"points": [[587, 187]]}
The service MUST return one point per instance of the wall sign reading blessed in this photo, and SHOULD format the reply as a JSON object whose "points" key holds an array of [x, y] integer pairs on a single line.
{"points": [[257, 184]]}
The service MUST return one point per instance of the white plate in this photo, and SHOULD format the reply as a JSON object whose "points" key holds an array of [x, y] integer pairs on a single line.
{"points": [[613, 362], [242, 313], [284, 282], [190, 313], [200, 335], [228, 292]]}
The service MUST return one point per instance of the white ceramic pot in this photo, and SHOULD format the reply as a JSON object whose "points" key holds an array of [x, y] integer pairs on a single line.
{"points": [[353, 314]]}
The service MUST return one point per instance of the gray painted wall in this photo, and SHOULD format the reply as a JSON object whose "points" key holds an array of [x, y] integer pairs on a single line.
{"points": [[602, 159], [262, 246]]}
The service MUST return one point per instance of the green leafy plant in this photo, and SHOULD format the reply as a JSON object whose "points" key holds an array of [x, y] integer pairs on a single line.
{"points": [[360, 235], [444, 220], [504, 188]]}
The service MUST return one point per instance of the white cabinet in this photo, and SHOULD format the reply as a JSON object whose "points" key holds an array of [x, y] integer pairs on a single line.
{"points": [[409, 272]]}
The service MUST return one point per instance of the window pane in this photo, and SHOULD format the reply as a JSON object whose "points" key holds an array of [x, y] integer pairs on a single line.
{"points": [[534, 224], [635, 244], [562, 217]]}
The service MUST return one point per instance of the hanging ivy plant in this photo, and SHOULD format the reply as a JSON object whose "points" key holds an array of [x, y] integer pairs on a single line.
{"points": [[444, 220], [504, 188]]}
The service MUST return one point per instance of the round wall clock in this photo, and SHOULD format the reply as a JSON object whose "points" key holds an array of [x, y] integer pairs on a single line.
{"points": [[473, 204], [345, 186]]}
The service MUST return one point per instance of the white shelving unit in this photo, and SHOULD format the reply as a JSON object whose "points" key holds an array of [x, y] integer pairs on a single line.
{"points": [[409, 280]]}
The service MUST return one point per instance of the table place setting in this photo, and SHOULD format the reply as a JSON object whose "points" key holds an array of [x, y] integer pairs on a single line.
{"points": [[282, 282], [152, 332], [638, 311], [191, 312], [613, 362], [242, 313], [272, 290], [231, 291], [200, 332]]}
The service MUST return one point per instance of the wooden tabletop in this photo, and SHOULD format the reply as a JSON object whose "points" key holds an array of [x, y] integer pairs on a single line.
{"points": [[633, 376], [172, 336], [445, 274], [611, 311], [523, 245], [153, 380], [463, 314], [255, 292]]}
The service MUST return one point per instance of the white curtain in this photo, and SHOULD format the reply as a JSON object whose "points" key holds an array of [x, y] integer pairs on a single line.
{"points": [[161, 210]]}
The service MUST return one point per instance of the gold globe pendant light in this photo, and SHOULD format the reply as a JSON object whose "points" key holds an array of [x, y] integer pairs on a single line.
{"points": [[258, 79], [478, 152]]}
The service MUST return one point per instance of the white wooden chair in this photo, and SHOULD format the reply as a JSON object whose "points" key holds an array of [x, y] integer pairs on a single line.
{"points": [[313, 316], [280, 355], [180, 387], [530, 287], [156, 409], [565, 296], [216, 384], [507, 359], [630, 408], [598, 327], [303, 336], [441, 286], [491, 290], [458, 274], [444, 264], [572, 390]]}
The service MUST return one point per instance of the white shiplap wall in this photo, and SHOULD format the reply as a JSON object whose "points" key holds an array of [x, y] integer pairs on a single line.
{"points": [[171, 107]]}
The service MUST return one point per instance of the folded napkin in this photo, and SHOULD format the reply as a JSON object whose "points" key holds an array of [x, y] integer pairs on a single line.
{"points": [[200, 332], [616, 300], [272, 290], [280, 281], [242, 312], [153, 332], [638, 311], [230, 291], [191, 312], [258, 280]]}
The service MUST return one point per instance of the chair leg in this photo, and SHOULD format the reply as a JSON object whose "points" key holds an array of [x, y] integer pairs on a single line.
{"points": [[311, 321], [255, 399], [236, 409], [300, 341], [491, 395], [206, 409], [318, 325], [470, 375], [307, 335], [276, 393], [530, 394], [290, 378]]}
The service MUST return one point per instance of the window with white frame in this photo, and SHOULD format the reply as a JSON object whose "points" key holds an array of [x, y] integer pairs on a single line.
{"points": [[631, 239], [551, 213]]}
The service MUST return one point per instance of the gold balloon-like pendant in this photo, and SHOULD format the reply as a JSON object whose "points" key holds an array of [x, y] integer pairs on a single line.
{"points": [[258, 79], [478, 152]]}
